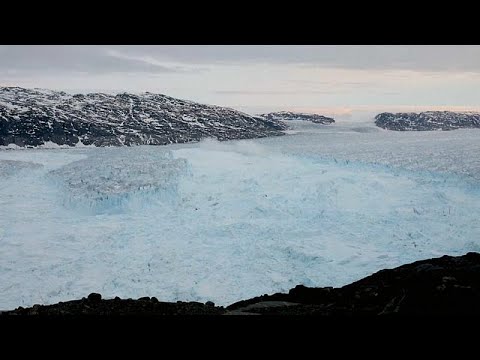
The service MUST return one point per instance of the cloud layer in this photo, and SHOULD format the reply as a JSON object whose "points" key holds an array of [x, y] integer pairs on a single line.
{"points": [[248, 77], [141, 58]]}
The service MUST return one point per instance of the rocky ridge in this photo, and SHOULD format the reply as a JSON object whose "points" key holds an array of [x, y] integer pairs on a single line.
{"points": [[34, 117], [427, 121], [288, 116]]}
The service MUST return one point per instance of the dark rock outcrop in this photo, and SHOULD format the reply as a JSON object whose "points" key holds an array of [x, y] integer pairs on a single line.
{"points": [[429, 120], [30, 118], [287, 116], [95, 297], [442, 286], [114, 307]]}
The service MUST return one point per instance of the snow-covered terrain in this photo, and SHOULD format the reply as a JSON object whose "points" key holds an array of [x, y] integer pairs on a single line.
{"points": [[45, 118], [289, 116], [224, 221], [428, 120]]}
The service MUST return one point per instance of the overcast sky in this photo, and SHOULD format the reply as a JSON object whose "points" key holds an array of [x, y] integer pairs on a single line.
{"points": [[329, 79]]}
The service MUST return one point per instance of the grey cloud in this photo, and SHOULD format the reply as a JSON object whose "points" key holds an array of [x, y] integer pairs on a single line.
{"points": [[103, 59], [308, 82], [391, 93], [20, 60], [277, 92], [413, 57]]}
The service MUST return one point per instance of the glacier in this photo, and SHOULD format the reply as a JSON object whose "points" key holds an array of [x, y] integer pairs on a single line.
{"points": [[224, 221]]}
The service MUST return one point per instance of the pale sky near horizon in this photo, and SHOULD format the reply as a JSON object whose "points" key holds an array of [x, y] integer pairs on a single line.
{"points": [[255, 78]]}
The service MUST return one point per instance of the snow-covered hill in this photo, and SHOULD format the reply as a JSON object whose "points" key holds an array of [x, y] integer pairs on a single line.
{"points": [[30, 118], [428, 120], [287, 115]]}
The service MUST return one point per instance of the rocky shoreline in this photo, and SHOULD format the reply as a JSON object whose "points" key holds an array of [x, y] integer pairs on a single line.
{"points": [[427, 121], [441, 286]]}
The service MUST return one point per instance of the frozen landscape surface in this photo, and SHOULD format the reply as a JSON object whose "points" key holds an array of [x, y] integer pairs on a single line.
{"points": [[225, 221]]}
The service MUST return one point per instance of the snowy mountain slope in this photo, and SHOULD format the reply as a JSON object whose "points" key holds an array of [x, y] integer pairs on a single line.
{"points": [[30, 118], [286, 115], [428, 120]]}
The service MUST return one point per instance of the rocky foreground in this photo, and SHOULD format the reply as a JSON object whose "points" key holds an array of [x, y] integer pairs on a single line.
{"points": [[442, 286], [34, 117], [427, 121]]}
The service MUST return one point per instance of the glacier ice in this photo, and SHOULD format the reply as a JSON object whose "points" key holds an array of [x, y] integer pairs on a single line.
{"points": [[224, 221], [11, 167], [112, 178]]}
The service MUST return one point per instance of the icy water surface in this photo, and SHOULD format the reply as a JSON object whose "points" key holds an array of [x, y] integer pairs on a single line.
{"points": [[322, 206]]}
